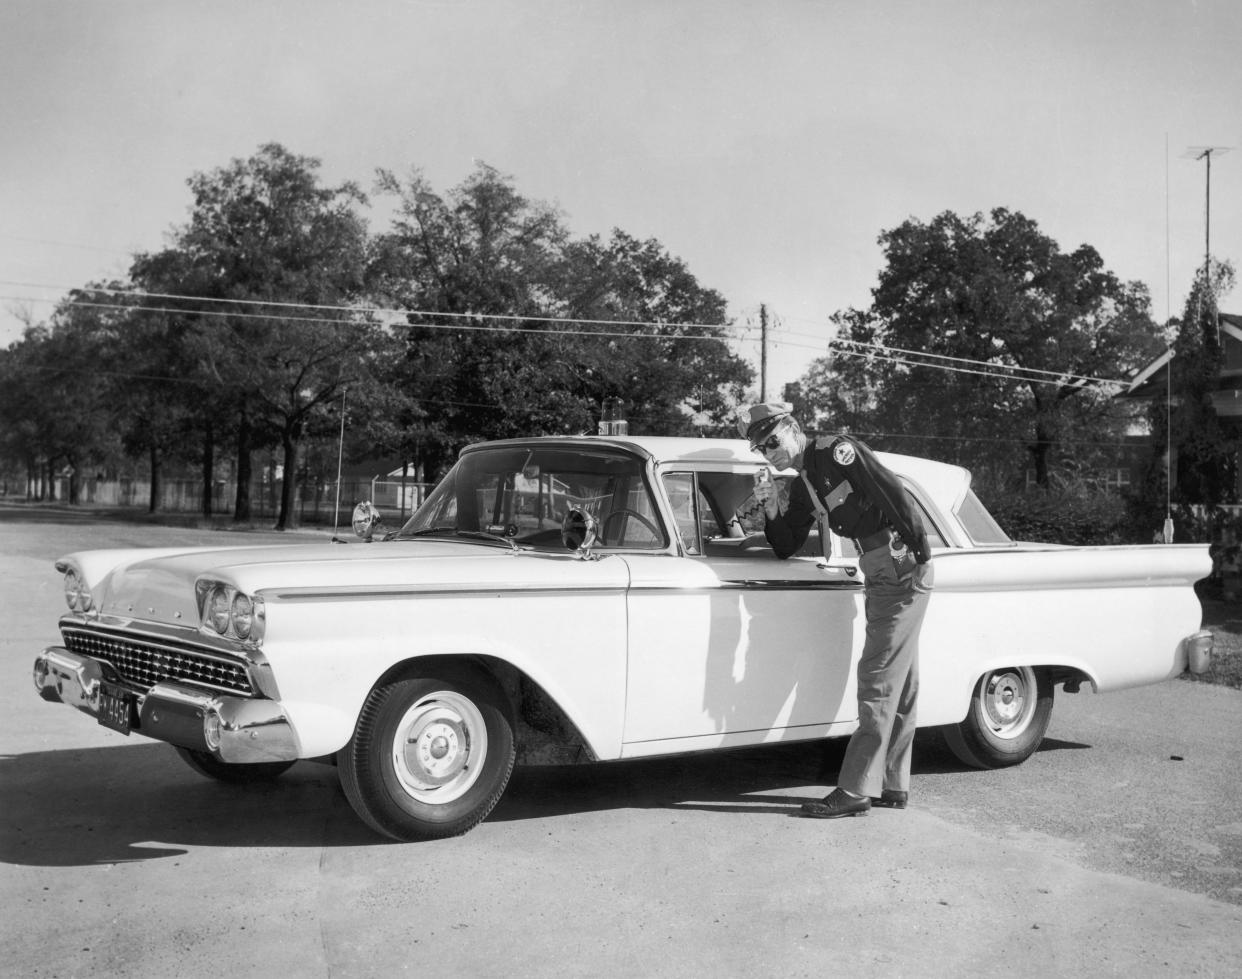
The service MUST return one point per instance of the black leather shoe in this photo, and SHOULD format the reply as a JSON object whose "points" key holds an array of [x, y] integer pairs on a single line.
{"points": [[891, 799], [836, 804]]}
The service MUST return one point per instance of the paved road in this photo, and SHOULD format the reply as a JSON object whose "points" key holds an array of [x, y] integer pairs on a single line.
{"points": [[1116, 850]]}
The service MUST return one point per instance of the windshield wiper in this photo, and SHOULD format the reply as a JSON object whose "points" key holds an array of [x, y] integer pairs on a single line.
{"points": [[482, 535]]}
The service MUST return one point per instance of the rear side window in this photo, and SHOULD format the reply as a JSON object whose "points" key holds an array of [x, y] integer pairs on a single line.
{"points": [[980, 525]]}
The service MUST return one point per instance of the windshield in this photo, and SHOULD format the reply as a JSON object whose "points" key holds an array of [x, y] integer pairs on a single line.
{"points": [[523, 493]]}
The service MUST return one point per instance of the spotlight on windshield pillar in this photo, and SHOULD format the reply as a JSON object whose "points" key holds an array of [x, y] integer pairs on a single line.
{"points": [[612, 421]]}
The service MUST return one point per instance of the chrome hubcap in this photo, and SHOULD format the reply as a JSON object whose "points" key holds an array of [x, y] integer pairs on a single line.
{"points": [[1008, 701], [439, 748]]}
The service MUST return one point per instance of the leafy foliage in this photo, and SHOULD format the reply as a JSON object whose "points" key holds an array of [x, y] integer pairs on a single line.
{"points": [[264, 234], [492, 279], [994, 291], [1207, 458], [1067, 517], [253, 327]]}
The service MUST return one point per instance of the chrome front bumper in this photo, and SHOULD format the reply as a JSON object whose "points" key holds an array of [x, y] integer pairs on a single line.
{"points": [[236, 730]]}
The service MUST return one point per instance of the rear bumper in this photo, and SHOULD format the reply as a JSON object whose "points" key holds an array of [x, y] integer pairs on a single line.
{"points": [[236, 730]]}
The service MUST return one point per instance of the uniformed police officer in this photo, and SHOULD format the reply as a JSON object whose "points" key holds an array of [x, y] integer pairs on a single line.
{"points": [[842, 483]]}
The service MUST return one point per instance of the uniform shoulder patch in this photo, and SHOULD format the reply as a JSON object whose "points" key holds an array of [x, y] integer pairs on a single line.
{"points": [[844, 453]]}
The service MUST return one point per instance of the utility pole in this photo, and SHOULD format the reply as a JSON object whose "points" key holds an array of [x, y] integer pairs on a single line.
{"points": [[763, 352]]}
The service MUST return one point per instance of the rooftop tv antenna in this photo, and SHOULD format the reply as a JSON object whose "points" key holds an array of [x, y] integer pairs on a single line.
{"points": [[1205, 153]]}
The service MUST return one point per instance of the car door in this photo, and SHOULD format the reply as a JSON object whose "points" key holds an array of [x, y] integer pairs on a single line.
{"points": [[729, 645]]}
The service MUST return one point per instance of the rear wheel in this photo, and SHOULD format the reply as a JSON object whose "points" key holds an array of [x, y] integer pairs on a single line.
{"points": [[210, 766], [1009, 713], [429, 758]]}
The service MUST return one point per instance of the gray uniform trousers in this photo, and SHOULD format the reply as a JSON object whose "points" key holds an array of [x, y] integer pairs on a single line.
{"points": [[878, 756]]}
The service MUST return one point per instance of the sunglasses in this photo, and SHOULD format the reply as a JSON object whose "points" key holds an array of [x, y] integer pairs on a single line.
{"points": [[768, 444]]}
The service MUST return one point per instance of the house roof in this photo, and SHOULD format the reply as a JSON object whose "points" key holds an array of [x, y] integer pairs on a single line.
{"points": [[1153, 379]]}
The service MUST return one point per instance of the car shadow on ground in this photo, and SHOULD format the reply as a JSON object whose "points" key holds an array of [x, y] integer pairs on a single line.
{"points": [[133, 802], [747, 780]]}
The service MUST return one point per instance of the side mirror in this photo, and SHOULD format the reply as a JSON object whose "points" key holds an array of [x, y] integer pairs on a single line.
{"points": [[366, 520], [578, 531]]}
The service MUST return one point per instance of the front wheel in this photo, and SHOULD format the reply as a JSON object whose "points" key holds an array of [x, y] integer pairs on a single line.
{"points": [[209, 766], [1009, 713], [429, 757]]}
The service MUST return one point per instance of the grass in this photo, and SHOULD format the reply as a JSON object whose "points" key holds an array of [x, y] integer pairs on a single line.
{"points": [[1223, 617]]}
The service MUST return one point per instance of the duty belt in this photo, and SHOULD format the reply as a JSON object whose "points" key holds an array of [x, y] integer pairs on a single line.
{"points": [[869, 542]]}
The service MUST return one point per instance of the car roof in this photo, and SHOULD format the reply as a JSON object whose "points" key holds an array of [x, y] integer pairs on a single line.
{"points": [[944, 480]]}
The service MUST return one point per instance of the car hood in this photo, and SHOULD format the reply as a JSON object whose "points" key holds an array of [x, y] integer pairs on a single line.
{"points": [[159, 584]]}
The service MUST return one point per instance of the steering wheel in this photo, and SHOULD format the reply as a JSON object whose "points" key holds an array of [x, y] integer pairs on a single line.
{"points": [[626, 512]]}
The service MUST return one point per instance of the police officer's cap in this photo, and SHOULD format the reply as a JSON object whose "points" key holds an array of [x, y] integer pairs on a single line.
{"points": [[756, 422]]}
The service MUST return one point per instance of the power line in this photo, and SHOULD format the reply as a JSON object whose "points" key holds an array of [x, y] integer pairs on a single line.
{"points": [[1011, 372], [980, 363], [374, 310], [1000, 371], [284, 317], [499, 407], [989, 439]]}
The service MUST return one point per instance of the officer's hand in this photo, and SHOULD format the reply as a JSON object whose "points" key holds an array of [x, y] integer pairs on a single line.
{"points": [[924, 576], [766, 493]]}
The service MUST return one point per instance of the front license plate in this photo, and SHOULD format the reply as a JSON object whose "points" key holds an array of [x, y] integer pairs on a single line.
{"points": [[116, 709]]}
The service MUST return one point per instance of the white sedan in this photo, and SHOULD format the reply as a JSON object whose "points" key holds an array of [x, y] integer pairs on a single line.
{"points": [[588, 599]]}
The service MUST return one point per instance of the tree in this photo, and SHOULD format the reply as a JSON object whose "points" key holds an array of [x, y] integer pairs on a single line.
{"points": [[1023, 325], [1207, 458], [502, 337], [56, 402], [288, 257], [161, 402], [680, 377]]}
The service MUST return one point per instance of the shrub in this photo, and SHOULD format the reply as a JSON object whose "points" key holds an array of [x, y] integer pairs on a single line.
{"points": [[1067, 517]]}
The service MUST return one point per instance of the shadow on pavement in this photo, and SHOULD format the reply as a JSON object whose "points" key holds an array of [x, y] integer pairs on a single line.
{"points": [[140, 802]]}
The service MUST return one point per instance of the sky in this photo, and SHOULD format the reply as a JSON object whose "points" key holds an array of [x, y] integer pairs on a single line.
{"points": [[767, 144]]}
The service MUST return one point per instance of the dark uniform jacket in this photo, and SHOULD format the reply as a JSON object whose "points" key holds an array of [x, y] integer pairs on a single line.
{"points": [[861, 494]]}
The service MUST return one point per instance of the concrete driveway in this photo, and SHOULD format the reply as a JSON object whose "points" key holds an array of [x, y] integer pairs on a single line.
{"points": [[1116, 850]]}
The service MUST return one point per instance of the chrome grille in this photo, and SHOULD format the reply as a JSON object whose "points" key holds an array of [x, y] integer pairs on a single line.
{"points": [[146, 662]]}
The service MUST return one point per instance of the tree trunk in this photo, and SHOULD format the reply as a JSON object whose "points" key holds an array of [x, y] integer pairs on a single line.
{"points": [[270, 503], [209, 470], [75, 485], [241, 504], [153, 503], [1042, 446], [288, 492], [1039, 453]]}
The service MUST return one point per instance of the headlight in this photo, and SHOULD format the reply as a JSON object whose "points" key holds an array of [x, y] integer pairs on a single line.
{"points": [[228, 612], [242, 615], [217, 612], [77, 595]]}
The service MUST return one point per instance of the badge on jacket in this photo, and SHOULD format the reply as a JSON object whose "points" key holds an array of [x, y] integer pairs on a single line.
{"points": [[843, 453]]}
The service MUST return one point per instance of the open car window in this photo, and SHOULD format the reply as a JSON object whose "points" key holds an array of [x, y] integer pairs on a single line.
{"points": [[717, 515], [523, 495]]}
